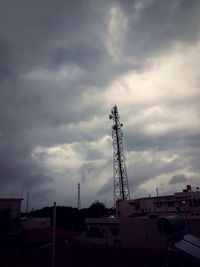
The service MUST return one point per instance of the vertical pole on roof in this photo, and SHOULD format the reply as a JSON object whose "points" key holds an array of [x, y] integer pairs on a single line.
{"points": [[27, 205], [54, 235], [79, 197], [157, 192]]}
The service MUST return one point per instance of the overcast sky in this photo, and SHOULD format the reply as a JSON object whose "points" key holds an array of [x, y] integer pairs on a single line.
{"points": [[64, 64]]}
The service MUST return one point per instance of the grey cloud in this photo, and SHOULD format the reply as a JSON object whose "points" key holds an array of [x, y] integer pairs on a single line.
{"points": [[87, 171], [167, 22], [142, 171], [90, 170], [17, 169], [107, 188], [41, 197], [89, 153], [35, 33], [93, 154], [179, 178], [85, 55], [174, 139], [183, 144]]}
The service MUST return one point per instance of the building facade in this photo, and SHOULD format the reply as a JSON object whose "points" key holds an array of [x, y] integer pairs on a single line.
{"points": [[12, 205], [186, 202], [136, 221]]}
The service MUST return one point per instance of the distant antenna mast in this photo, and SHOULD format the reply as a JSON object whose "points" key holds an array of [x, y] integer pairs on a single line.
{"points": [[120, 179], [79, 197]]}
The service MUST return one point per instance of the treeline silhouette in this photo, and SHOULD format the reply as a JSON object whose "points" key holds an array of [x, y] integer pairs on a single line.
{"points": [[72, 218]]}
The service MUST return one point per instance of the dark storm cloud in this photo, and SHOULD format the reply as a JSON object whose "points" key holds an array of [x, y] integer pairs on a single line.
{"points": [[4, 66], [84, 55], [157, 24], [175, 139], [18, 171], [179, 178], [37, 37], [49, 34], [33, 42]]}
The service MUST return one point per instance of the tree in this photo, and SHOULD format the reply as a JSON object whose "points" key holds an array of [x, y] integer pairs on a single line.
{"points": [[97, 209]]}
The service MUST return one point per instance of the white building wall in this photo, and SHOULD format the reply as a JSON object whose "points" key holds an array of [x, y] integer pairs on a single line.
{"points": [[184, 202]]}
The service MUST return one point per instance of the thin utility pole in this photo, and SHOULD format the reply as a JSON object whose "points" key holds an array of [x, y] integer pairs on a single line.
{"points": [[79, 197], [27, 205], [54, 235]]}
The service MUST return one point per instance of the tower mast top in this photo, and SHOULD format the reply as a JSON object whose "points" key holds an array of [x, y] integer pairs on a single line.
{"points": [[120, 179]]}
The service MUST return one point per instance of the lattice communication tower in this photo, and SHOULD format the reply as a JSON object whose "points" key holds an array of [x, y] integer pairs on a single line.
{"points": [[120, 179]]}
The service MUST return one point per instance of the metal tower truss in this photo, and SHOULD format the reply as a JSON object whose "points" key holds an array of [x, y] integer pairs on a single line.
{"points": [[120, 179]]}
